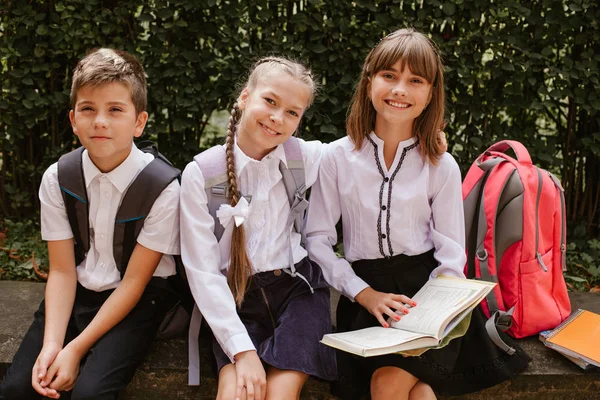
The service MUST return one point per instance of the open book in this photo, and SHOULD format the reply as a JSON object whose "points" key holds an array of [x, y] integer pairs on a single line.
{"points": [[442, 303]]}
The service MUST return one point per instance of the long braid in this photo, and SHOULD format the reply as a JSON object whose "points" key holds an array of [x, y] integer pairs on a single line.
{"points": [[240, 268]]}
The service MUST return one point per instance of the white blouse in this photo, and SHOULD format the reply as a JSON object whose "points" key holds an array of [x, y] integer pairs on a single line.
{"points": [[409, 209], [267, 236]]}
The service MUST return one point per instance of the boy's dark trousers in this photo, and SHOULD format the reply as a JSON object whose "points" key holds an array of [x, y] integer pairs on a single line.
{"points": [[110, 364]]}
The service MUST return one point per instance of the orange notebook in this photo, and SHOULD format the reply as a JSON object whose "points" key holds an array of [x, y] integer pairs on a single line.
{"points": [[578, 336]]}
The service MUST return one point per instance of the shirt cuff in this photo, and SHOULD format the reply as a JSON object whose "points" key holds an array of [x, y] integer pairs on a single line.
{"points": [[236, 344], [354, 287], [53, 236], [448, 271], [159, 247]]}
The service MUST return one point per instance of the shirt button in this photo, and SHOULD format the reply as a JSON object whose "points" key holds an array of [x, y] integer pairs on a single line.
{"points": [[105, 194], [386, 179], [383, 236], [101, 236], [277, 272], [383, 208]]}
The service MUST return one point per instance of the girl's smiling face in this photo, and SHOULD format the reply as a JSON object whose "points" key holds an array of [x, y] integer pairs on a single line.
{"points": [[399, 96], [272, 111]]}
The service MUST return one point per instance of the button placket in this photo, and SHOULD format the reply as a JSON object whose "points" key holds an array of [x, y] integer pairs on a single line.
{"points": [[101, 231]]}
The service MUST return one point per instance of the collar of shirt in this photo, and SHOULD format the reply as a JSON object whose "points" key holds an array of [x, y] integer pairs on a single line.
{"points": [[121, 176], [242, 160], [401, 145]]}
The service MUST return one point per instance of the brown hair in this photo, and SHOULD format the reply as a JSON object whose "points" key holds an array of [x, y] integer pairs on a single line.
{"points": [[102, 66], [422, 56], [240, 267]]}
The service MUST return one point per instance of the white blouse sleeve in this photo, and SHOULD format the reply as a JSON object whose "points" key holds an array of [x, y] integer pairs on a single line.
{"points": [[447, 218], [54, 221], [324, 212], [201, 256], [312, 153]]}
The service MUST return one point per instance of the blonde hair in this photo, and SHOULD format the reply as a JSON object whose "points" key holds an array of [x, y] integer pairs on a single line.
{"points": [[102, 66], [422, 56], [240, 267]]}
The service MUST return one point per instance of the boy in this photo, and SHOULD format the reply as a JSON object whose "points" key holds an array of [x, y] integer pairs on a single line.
{"points": [[97, 322]]}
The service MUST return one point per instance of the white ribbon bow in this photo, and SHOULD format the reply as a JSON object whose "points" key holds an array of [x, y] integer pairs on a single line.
{"points": [[239, 212]]}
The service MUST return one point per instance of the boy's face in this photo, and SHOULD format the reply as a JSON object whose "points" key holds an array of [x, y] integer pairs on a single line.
{"points": [[105, 121]]}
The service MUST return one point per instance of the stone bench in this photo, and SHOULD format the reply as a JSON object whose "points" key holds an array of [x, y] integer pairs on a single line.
{"points": [[163, 375]]}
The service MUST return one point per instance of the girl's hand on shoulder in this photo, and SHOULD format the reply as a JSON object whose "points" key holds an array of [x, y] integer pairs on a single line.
{"points": [[250, 374], [379, 303]]}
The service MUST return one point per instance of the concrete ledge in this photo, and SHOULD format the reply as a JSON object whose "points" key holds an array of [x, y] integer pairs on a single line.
{"points": [[163, 375]]}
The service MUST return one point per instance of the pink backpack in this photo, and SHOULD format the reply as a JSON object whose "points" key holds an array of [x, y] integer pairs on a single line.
{"points": [[516, 236]]}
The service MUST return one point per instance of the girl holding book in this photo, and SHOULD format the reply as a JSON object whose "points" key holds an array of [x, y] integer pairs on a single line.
{"points": [[399, 197]]}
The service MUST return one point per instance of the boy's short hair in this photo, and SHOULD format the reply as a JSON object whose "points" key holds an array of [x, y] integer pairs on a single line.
{"points": [[101, 66]]}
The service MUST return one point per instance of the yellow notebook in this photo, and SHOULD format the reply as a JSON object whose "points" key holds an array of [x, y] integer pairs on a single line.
{"points": [[578, 336]]}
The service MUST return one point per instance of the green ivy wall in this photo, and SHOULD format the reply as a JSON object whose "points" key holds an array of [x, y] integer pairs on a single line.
{"points": [[524, 70]]}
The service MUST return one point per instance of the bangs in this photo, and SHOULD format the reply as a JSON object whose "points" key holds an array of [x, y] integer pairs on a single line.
{"points": [[413, 50]]}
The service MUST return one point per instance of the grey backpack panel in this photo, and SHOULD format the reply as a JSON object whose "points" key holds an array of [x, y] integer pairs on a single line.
{"points": [[133, 210], [72, 185], [212, 163]]}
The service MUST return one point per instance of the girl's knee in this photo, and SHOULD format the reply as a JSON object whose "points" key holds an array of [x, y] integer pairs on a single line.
{"points": [[284, 384], [391, 383], [226, 386], [422, 391], [227, 393]]}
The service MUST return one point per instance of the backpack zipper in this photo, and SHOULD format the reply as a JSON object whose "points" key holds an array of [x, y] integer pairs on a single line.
{"points": [[537, 226], [563, 218]]}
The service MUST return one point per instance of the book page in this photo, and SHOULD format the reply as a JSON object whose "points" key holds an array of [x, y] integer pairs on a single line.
{"points": [[375, 337], [437, 302]]}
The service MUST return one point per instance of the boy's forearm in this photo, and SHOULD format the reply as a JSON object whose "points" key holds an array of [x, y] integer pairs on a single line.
{"points": [[141, 267], [114, 309], [59, 298], [60, 292]]}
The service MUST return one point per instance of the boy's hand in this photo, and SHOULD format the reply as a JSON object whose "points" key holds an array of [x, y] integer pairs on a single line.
{"points": [[63, 372], [250, 374], [40, 368], [379, 303]]}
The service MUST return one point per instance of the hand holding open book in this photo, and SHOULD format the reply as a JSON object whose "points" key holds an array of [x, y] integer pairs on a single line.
{"points": [[442, 303]]}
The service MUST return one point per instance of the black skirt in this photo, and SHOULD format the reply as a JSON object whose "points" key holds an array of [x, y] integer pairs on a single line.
{"points": [[467, 364], [286, 321]]}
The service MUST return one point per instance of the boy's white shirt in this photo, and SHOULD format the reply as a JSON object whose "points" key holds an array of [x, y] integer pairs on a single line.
{"points": [[349, 186], [160, 232], [266, 229]]}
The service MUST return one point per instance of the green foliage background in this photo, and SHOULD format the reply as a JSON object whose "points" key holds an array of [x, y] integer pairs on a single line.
{"points": [[524, 70]]}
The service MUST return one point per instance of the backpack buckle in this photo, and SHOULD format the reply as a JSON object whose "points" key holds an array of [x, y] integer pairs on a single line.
{"points": [[482, 256]]}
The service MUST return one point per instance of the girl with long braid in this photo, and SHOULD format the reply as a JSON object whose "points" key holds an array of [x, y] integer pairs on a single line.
{"points": [[266, 303]]}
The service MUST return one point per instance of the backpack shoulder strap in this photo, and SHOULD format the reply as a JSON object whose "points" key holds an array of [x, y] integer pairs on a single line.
{"points": [[294, 180], [72, 186], [136, 205], [213, 164]]}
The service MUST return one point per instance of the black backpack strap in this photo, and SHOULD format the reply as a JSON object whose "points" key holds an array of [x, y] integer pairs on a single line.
{"points": [[72, 187], [136, 205]]}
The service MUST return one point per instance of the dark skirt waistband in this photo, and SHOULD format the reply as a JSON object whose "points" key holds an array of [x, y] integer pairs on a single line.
{"points": [[305, 267], [386, 266]]}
